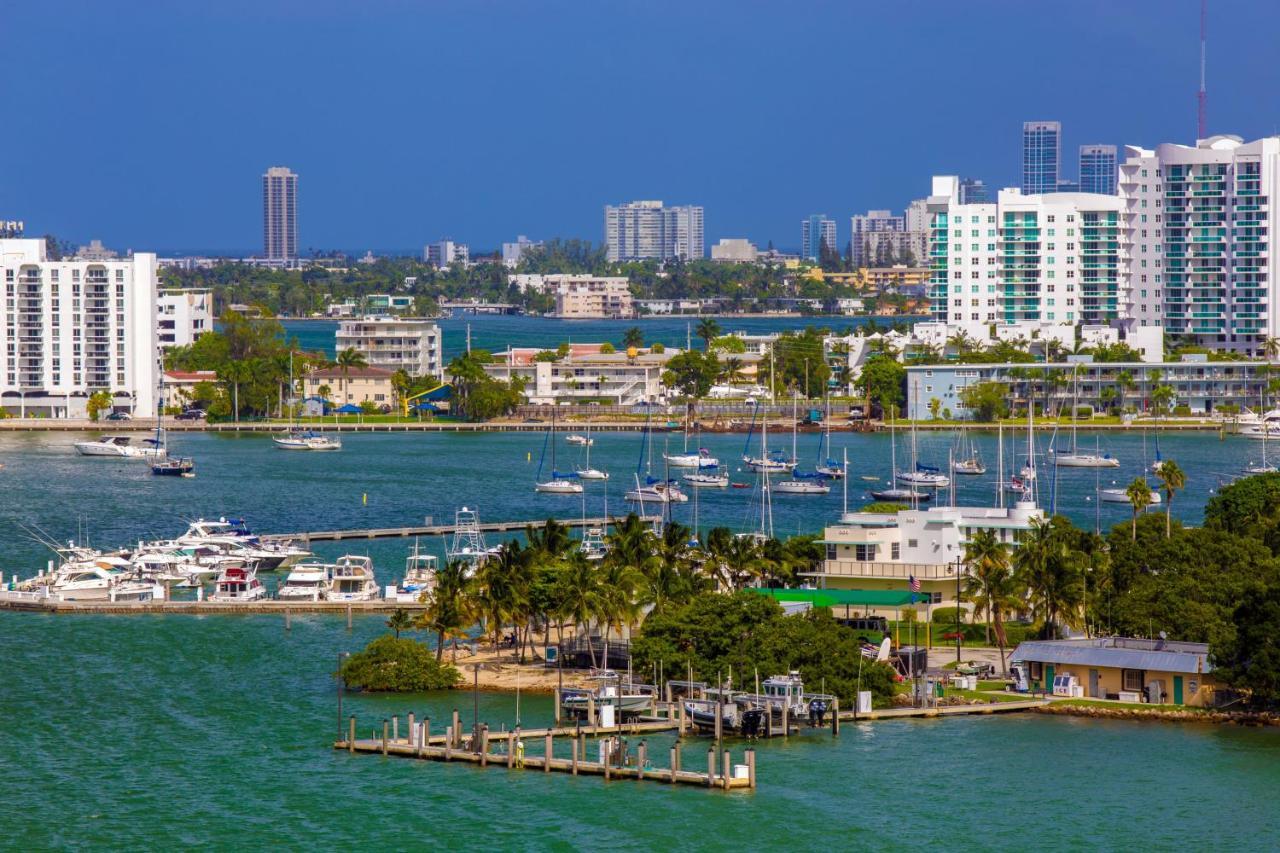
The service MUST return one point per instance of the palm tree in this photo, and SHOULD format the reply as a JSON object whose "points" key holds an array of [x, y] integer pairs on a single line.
{"points": [[448, 611], [1139, 494], [235, 372], [620, 605], [495, 589], [1126, 383], [732, 369], [708, 329], [1271, 349], [1050, 573], [399, 620], [990, 584], [633, 337], [581, 596], [348, 359], [1174, 480]]}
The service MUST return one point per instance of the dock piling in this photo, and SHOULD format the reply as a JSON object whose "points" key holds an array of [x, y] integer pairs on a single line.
{"points": [[719, 721], [640, 751], [557, 706], [835, 715], [348, 617], [726, 770], [385, 726], [751, 767], [457, 730], [395, 728], [448, 743], [547, 755], [351, 734], [484, 746], [711, 767], [574, 762], [675, 763], [412, 733], [591, 710], [287, 625], [511, 750], [682, 721]]}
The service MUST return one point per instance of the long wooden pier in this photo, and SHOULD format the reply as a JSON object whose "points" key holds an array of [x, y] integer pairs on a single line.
{"points": [[944, 710], [615, 760], [439, 529]]}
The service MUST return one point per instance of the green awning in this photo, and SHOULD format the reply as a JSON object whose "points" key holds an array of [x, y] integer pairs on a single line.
{"points": [[851, 597]]}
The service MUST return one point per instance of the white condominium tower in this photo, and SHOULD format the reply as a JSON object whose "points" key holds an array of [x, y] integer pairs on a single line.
{"points": [[644, 230], [1199, 219], [280, 214], [71, 328], [1054, 258], [817, 231]]}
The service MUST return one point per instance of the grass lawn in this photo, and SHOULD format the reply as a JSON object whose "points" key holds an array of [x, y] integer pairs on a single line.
{"points": [[1140, 706]]}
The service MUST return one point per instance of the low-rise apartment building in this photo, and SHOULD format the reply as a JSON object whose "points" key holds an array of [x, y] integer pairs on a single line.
{"points": [[182, 316], [354, 385], [390, 343], [584, 297]]}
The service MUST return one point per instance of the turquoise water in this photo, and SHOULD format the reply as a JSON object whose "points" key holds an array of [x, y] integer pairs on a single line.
{"points": [[122, 732], [397, 479], [178, 730], [495, 331]]}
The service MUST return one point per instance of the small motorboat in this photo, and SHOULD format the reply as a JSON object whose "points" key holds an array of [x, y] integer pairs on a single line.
{"points": [[579, 440], [419, 575], [740, 485], [122, 446], [238, 584]]}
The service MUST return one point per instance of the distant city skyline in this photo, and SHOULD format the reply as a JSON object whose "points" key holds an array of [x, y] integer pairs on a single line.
{"points": [[546, 162]]}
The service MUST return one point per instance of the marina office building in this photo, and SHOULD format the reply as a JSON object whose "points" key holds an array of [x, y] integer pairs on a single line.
{"points": [[885, 550], [391, 344], [1199, 384], [73, 327]]}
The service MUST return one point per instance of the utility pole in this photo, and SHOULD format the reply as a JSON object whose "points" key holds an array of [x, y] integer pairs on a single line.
{"points": [[959, 632]]}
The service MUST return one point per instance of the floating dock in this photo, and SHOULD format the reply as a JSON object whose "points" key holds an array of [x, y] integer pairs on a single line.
{"points": [[439, 529]]}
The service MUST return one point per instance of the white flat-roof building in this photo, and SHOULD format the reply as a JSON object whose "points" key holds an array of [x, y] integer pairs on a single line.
{"points": [[182, 316], [590, 296], [736, 250], [390, 343], [513, 252], [73, 327], [643, 230], [442, 253]]}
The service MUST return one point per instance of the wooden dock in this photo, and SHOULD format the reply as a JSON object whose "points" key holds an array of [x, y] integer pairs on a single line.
{"points": [[438, 529], [943, 710], [617, 762]]}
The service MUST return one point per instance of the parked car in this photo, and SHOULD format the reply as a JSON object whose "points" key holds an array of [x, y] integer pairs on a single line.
{"points": [[190, 415], [119, 416]]}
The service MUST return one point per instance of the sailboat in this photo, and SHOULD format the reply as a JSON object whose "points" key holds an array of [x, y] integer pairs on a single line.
{"points": [[775, 461], [701, 459], [300, 439], [559, 484], [893, 493], [1023, 482], [828, 467], [652, 490], [586, 472], [920, 474], [164, 465], [1076, 459], [966, 459], [805, 483]]}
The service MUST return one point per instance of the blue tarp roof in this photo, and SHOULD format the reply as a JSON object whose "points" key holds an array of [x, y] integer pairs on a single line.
{"points": [[350, 409]]}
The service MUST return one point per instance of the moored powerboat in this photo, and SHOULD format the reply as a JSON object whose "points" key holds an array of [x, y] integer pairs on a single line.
{"points": [[306, 582], [121, 446], [308, 440], [238, 584], [351, 579]]}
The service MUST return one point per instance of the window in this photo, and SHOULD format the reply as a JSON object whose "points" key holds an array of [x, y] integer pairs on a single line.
{"points": [[831, 551], [933, 597], [911, 543], [1132, 679], [864, 553], [895, 551]]}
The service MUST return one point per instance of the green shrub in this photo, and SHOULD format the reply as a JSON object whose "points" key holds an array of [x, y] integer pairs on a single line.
{"points": [[394, 665], [1182, 411]]}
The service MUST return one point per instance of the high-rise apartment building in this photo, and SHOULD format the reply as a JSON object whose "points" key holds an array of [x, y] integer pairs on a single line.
{"points": [[71, 328], [392, 343], [816, 231], [1200, 220], [513, 252], [1054, 258], [280, 214], [972, 191], [1098, 169], [645, 230], [1041, 156]]}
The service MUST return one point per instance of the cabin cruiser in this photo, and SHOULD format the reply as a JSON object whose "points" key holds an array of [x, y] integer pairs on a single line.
{"points": [[102, 581], [593, 546], [223, 527], [122, 446], [742, 710], [419, 575], [803, 484], [238, 584], [307, 441], [306, 582], [352, 579], [707, 478]]}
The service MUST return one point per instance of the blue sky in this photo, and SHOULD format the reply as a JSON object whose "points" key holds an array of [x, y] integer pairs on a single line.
{"points": [[149, 127]]}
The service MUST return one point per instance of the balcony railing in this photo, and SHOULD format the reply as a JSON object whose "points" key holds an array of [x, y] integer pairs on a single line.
{"points": [[868, 569]]}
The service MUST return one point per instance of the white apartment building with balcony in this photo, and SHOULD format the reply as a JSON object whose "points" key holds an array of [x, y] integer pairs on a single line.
{"points": [[182, 316], [1054, 258], [70, 328], [644, 230], [1199, 221], [884, 551], [390, 343], [583, 297]]}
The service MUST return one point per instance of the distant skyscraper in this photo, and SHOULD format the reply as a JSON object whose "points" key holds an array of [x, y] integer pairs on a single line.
{"points": [[642, 230], [972, 191], [280, 214], [1041, 156], [814, 231], [1098, 169], [1066, 185]]}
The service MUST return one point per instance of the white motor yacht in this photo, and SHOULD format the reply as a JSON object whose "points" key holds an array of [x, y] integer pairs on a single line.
{"points": [[351, 579], [306, 582], [237, 584], [121, 446], [419, 575]]}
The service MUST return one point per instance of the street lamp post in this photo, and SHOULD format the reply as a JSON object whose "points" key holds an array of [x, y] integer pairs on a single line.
{"points": [[959, 633]]}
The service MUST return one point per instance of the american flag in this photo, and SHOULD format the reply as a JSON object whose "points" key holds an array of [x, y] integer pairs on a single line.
{"points": [[915, 583]]}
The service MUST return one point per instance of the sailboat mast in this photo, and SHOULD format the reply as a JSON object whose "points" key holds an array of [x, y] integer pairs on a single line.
{"points": [[999, 464]]}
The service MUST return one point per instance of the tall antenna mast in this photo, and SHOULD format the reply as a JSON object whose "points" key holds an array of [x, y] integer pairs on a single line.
{"points": [[1202, 97]]}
